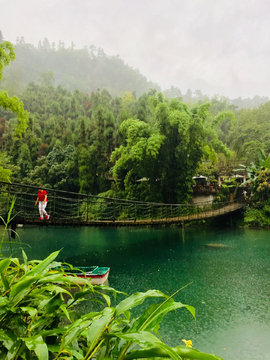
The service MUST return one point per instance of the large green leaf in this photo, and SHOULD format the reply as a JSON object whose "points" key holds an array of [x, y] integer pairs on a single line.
{"points": [[5, 282], [3, 301], [54, 304], [106, 298], [170, 351], [135, 300], [22, 287], [4, 264], [183, 351], [65, 311], [151, 353], [54, 289], [75, 354], [55, 348], [42, 266], [54, 331], [82, 294], [142, 338], [147, 339], [55, 277], [74, 331], [36, 344], [41, 323], [154, 314], [189, 353], [98, 326], [108, 289], [30, 310], [25, 258], [12, 350], [7, 336]]}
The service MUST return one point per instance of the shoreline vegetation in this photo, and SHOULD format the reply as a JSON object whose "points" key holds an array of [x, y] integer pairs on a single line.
{"points": [[258, 215]]}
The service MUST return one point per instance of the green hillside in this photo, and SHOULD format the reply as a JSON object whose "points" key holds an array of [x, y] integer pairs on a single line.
{"points": [[87, 70]]}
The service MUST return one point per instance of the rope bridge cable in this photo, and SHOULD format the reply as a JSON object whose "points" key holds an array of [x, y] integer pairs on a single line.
{"points": [[69, 206]]}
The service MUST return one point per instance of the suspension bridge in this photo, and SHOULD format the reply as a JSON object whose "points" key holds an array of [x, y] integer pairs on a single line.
{"points": [[68, 208]]}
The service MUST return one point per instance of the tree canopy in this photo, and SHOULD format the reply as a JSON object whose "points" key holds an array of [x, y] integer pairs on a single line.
{"points": [[7, 54], [159, 159]]}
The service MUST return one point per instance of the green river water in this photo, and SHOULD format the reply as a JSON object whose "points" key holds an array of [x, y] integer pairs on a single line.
{"points": [[230, 285]]}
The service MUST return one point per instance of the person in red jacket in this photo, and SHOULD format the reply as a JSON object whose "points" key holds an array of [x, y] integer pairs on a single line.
{"points": [[42, 203]]}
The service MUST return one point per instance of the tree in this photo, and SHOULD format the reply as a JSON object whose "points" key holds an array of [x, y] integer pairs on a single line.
{"points": [[188, 95], [24, 160], [136, 160], [250, 133], [5, 174], [82, 133], [54, 169], [47, 78], [87, 164], [173, 92], [166, 152], [7, 54]]}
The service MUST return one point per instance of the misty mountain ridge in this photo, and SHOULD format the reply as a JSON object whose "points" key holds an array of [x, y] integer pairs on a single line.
{"points": [[88, 70]]}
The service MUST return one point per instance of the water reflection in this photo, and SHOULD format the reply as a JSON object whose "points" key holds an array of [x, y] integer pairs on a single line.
{"points": [[230, 285]]}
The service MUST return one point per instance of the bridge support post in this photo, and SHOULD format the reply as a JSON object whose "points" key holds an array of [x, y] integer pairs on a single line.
{"points": [[8, 199], [183, 230], [54, 195], [78, 210], [87, 208]]}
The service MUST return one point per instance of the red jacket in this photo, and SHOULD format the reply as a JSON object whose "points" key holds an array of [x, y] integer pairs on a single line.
{"points": [[41, 195]]}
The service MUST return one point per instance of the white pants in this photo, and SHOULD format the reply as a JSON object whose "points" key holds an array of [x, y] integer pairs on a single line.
{"points": [[41, 208]]}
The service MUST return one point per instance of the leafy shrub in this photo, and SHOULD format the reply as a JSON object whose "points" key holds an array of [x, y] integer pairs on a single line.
{"points": [[36, 299], [255, 217]]}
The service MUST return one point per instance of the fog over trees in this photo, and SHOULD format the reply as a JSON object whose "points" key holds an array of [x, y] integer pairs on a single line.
{"points": [[87, 70]]}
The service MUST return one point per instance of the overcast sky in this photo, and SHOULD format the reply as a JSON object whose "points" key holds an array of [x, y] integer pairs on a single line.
{"points": [[218, 46]]}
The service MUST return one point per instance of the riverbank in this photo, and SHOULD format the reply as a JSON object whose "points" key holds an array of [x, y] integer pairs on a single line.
{"points": [[257, 215]]}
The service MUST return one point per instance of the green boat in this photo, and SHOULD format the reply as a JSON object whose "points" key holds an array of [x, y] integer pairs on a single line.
{"points": [[97, 275]]}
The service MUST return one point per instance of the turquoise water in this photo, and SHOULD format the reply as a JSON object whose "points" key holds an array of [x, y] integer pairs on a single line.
{"points": [[230, 285]]}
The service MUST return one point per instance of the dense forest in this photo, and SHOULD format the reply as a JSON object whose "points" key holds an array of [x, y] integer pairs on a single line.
{"points": [[138, 144]]}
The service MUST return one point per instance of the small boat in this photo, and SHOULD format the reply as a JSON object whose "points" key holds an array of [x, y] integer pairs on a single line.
{"points": [[97, 275]]}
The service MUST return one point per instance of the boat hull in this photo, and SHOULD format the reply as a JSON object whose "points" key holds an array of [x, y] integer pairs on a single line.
{"points": [[95, 274], [94, 279]]}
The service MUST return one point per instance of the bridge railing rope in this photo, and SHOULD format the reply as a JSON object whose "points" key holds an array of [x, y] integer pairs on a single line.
{"points": [[71, 207]]}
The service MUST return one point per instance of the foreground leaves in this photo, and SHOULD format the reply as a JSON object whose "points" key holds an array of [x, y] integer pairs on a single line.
{"points": [[39, 321]]}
